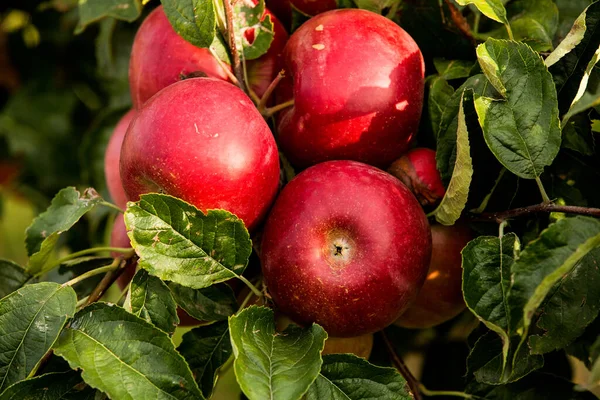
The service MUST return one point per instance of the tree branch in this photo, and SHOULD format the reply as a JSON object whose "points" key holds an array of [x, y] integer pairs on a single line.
{"points": [[501, 216], [106, 282], [236, 62], [413, 384]]}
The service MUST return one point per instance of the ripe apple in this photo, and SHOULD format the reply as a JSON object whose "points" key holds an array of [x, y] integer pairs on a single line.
{"points": [[111, 161], [204, 141], [357, 83], [347, 246], [441, 297], [160, 57], [417, 169]]}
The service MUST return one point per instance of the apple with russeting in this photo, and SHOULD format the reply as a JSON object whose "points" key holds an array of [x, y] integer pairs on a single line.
{"points": [[347, 246], [417, 169], [441, 297], [204, 141], [111, 161], [356, 79], [160, 57]]}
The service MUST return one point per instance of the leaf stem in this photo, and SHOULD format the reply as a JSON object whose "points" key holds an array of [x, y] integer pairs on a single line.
{"points": [[509, 31], [262, 104], [413, 383], [487, 198], [545, 197], [113, 206], [126, 251], [235, 56], [106, 282], [431, 393], [269, 112], [93, 272], [251, 286], [501, 216], [253, 96], [225, 68]]}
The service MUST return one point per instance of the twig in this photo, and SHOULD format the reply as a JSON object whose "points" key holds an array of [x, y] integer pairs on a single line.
{"points": [[501, 216], [106, 282], [262, 105], [236, 64], [413, 383]]}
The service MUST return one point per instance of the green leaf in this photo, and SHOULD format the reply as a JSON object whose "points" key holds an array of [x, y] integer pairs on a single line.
{"points": [[545, 262], [568, 65], [269, 364], [440, 93], [448, 125], [12, 277], [124, 356], [345, 376], [578, 136], [493, 9], [177, 242], [588, 95], [193, 20], [487, 261], [214, 303], [206, 349], [534, 22], [594, 378], [91, 11], [253, 30], [489, 365], [521, 128], [573, 38], [30, 321], [453, 69], [53, 386], [67, 207], [455, 199], [573, 304], [150, 299]]}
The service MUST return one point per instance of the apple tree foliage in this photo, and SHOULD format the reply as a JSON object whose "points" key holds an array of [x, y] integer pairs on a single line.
{"points": [[513, 111]]}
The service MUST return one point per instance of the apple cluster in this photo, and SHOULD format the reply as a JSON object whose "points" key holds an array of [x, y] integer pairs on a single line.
{"points": [[344, 244]]}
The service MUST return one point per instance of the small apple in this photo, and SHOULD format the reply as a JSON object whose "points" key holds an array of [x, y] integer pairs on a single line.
{"points": [[357, 83], [347, 246], [160, 57], [111, 161], [441, 297], [119, 238], [204, 141], [417, 169]]}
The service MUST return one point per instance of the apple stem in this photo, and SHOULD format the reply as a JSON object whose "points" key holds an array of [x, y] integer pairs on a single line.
{"points": [[262, 104], [251, 286], [237, 64], [413, 383], [269, 112], [253, 96]]}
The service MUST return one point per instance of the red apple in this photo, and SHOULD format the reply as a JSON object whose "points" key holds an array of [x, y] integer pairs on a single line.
{"points": [[358, 90], [111, 161], [204, 141], [417, 169], [160, 57], [347, 246], [119, 238], [441, 297]]}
